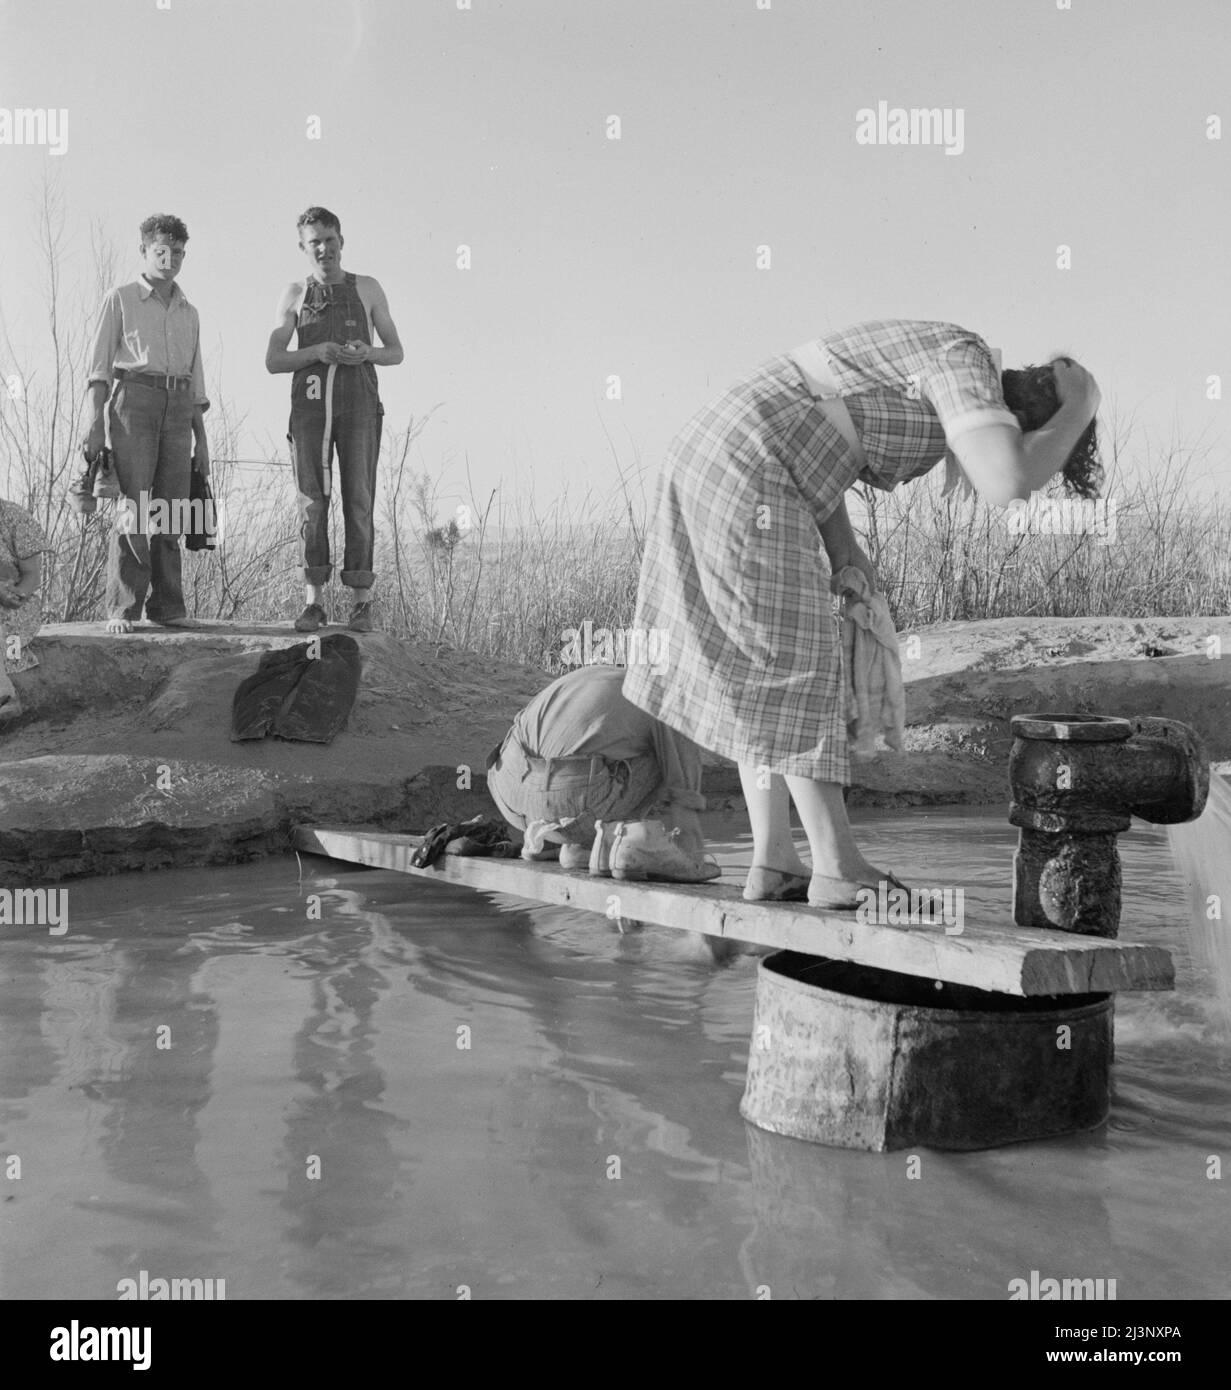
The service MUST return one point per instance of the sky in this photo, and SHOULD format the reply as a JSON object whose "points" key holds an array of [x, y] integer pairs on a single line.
{"points": [[736, 215]]}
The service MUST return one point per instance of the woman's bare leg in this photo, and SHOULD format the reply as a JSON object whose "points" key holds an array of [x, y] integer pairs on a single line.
{"points": [[822, 811], [769, 812]]}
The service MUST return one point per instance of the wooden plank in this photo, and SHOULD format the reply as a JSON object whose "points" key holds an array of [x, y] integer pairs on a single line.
{"points": [[988, 955]]}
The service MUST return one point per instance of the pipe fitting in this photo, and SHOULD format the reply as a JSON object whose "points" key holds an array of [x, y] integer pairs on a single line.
{"points": [[1077, 781]]}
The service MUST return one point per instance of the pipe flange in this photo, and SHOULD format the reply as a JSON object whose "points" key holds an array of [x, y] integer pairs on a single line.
{"points": [[1071, 728], [1194, 759], [1081, 822]]}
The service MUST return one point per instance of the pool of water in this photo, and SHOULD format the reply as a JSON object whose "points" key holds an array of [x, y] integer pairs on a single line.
{"points": [[318, 1081]]}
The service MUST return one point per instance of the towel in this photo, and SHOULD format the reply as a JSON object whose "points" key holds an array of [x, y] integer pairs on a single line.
{"points": [[875, 699]]}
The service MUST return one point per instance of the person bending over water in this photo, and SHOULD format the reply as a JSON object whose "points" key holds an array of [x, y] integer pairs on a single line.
{"points": [[580, 762], [732, 571]]}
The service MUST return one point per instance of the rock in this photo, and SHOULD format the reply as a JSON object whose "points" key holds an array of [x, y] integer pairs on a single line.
{"points": [[78, 784]]}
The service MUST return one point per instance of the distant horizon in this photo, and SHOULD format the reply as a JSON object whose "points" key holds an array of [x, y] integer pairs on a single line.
{"points": [[588, 225]]}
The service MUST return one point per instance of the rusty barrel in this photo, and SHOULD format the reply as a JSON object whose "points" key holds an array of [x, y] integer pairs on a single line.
{"points": [[864, 1058]]}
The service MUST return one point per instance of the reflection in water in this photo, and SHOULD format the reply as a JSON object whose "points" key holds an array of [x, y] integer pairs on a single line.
{"points": [[523, 1101]]}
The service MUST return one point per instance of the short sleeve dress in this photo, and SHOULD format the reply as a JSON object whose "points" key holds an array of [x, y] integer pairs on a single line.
{"points": [[733, 571], [20, 537]]}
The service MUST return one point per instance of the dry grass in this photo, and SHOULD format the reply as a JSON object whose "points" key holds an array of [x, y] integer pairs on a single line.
{"points": [[506, 576]]}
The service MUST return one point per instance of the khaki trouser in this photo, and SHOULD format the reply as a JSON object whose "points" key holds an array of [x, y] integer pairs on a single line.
{"points": [[575, 792]]}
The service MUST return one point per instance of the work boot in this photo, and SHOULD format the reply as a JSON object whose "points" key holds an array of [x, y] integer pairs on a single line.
{"points": [[600, 853], [312, 618], [361, 619], [575, 857], [642, 849]]}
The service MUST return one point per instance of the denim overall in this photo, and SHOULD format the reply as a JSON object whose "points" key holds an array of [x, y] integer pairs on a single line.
{"points": [[335, 407]]}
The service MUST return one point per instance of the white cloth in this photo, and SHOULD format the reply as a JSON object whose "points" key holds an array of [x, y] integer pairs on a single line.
{"points": [[872, 667]]}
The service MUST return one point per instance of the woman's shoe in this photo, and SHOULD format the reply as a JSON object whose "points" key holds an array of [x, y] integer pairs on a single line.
{"points": [[775, 886], [643, 849], [843, 894]]}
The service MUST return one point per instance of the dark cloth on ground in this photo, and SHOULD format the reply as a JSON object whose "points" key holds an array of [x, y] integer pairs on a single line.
{"points": [[297, 694]]}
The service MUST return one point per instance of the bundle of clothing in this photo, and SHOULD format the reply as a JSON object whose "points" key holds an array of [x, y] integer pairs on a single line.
{"points": [[476, 836], [875, 698]]}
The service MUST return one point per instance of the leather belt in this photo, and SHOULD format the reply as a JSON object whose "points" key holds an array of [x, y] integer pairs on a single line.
{"points": [[814, 367], [155, 379]]}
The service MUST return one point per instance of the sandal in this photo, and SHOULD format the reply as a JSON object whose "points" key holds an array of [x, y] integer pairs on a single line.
{"points": [[842, 894], [775, 886]]}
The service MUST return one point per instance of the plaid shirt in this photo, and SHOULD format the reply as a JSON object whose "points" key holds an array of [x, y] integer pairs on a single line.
{"points": [[913, 387]]}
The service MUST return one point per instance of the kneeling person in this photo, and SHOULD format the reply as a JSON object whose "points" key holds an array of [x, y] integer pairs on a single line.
{"points": [[582, 767]]}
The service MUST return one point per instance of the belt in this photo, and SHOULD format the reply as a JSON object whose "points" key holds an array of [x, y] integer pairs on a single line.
{"points": [[154, 379], [814, 367]]}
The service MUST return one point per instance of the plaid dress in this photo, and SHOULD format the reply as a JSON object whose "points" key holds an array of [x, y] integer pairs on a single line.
{"points": [[733, 571]]}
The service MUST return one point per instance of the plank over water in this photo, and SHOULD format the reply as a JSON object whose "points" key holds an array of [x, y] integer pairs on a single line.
{"points": [[995, 956]]}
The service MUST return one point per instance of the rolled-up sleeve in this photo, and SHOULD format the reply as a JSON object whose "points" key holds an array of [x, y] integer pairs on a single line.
{"points": [[107, 339], [964, 388], [198, 374]]}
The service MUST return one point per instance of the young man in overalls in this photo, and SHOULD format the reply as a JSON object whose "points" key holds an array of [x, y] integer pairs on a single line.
{"points": [[334, 403]]}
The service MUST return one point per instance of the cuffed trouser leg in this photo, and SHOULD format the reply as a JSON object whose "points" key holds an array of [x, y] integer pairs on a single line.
{"points": [[357, 436], [305, 438]]}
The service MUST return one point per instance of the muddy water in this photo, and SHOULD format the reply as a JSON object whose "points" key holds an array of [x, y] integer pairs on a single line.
{"points": [[427, 1089]]}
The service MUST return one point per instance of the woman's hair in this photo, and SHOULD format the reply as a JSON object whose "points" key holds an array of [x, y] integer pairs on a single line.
{"points": [[1032, 392]]}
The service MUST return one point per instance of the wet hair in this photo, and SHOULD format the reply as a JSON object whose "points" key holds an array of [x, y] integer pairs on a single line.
{"points": [[321, 215], [164, 223], [1032, 392]]}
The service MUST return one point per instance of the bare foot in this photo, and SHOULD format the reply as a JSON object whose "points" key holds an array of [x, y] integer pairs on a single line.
{"points": [[119, 626]]}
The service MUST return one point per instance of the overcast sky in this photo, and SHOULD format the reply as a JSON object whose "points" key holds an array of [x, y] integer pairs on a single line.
{"points": [[638, 257]]}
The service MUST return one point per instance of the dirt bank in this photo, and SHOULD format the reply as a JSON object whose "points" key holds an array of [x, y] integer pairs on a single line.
{"points": [[122, 758]]}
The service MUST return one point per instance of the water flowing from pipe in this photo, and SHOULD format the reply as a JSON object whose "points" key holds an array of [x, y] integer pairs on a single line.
{"points": [[1202, 853]]}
